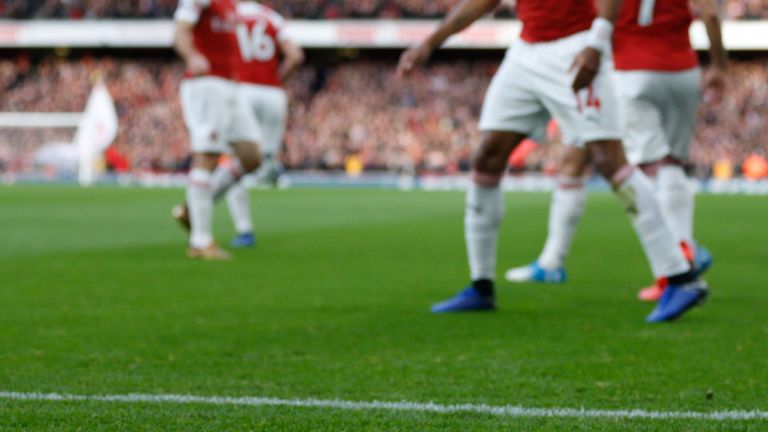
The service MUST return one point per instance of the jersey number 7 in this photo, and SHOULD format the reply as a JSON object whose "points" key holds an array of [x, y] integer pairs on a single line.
{"points": [[645, 15], [255, 44]]}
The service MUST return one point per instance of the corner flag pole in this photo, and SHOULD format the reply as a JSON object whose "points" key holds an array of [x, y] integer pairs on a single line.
{"points": [[96, 131]]}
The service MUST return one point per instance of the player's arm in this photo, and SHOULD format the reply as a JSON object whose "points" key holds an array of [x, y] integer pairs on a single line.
{"points": [[186, 18], [459, 18], [587, 63], [715, 76], [293, 57]]}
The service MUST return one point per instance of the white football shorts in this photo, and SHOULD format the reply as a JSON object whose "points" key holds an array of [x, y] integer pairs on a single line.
{"points": [[268, 107], [658, 113], [534, 83], [213, 117]]}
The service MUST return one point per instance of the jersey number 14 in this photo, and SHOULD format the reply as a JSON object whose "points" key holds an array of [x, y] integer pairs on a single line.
{"points": [[255, 44]]}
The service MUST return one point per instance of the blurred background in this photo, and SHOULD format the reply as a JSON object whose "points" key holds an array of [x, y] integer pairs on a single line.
{"points": [[348, 114]]}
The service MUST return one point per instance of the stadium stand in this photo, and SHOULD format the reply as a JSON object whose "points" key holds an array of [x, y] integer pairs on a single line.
{"points": [[351, 110], [343, 112], [305, 9]]}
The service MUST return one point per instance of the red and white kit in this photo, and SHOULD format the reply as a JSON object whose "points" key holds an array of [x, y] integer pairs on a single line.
{"points": [[534, 80], [259, 33], [209, 102], [658, 78]]}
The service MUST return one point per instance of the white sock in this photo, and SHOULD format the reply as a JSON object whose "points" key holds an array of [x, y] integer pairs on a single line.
{"points": [[482, 218], [676, 198], [660, 245], [565, 211], [240, 208], [224, 177], [200, 204]]}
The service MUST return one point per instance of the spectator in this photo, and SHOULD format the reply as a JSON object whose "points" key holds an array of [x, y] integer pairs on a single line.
{"points": [[755, 167], [304, 9], [424, 125]]}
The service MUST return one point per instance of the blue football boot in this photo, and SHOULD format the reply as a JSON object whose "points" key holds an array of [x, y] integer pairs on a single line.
{"points": [[245, 240], [468, 300], [536, 273], [677, 300], [702, 260]]}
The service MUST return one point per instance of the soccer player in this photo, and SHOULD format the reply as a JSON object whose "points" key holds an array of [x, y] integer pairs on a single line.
{"points": [[659, 87], [205, 39], [534, 80], [266, 59]]}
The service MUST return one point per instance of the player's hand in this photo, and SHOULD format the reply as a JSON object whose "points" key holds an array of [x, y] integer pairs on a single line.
{"points": [[197, 64], [413, 58], [714, 84], [586, 65]]}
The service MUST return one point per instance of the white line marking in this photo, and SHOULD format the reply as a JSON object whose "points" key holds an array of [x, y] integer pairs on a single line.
{"points": [[502, 411]]}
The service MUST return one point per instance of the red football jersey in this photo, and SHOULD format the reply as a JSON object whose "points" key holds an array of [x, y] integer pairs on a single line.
{"points": [[653, 35], [214, 32], [258, 34], [548, 20]]}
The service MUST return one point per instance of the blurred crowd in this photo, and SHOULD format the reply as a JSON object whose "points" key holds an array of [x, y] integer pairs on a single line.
{"points": [[151, 133], [86, 9], [352, 115], [305, 9]]}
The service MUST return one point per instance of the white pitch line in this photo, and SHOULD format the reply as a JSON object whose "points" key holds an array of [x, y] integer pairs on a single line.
{"points": [[429, 407]]}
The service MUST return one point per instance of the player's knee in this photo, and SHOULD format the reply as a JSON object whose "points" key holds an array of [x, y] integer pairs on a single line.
{"points": [[652, 168], [251, 163], [206, 161], [605, 167], [574, 162], [249, 156], [607, 157], [491, 166], [492, 155]]}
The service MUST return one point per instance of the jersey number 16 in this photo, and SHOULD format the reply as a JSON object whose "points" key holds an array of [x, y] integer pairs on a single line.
{"points": [[256, 44]]}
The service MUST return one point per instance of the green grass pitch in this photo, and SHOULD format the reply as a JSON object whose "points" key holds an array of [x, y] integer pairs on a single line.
{"points": [[96, 297]]}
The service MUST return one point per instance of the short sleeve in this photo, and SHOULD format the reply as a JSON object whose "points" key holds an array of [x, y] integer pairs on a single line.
{"points": [[279, 22], [189, 10]]}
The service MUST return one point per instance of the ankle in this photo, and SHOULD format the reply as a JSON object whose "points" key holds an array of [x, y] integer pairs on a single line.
{"points": [[484, 287]]}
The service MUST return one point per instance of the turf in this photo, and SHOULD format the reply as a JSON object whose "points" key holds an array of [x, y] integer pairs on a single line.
{"points": [[96, 297]]}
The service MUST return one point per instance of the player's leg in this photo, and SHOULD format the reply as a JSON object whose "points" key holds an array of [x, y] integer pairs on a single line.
{"points": [[206, 120], [510, 113], [247, 158], [239, 205], [566, 209], [245, 137], [677, 198], [200, 208], [644, 141], [273, 115], [591, 117], [266, 108], [681, 96], [483, 214], [636, 192], [666, 258], [661, 248], [658, 116]]}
